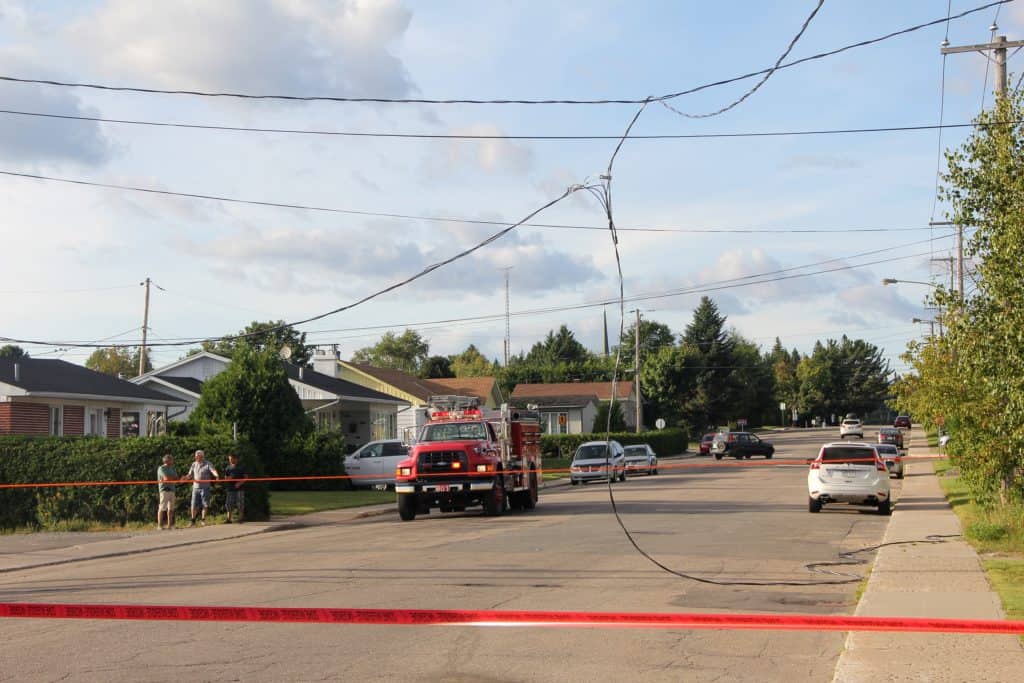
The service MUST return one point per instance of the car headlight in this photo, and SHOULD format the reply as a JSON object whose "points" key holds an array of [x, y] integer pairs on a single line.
{"points": [[483, 468], [404, 471]]}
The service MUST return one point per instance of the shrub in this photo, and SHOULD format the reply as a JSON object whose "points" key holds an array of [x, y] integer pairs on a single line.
{"points": [[310, 455], [88, 459], [986, 531], [601, 418], [663, 441]]}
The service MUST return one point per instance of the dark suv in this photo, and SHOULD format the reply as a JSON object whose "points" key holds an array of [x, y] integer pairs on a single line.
{"points": [[740, 445], [902, 422]]}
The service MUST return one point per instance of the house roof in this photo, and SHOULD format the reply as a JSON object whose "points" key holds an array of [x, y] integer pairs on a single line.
{"points": [[601, 390], [50, 377], [189, 384], [159, 372], [403, 381], [554, 401], [481, 387], [339, 387]]}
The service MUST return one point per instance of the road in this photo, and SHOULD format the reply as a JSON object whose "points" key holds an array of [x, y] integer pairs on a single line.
{"points": [[714, 521]]}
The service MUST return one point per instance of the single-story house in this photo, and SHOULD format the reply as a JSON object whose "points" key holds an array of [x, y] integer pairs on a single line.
{"points": [[570, 407], [40, 397], [361, 414], [409, 388]]}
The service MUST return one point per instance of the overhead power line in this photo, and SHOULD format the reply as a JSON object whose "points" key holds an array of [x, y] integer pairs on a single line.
{"points": [[766, 277], [486, 137], [398, 100], [435, 219]]}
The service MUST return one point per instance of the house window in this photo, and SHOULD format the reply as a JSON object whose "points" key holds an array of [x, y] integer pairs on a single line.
{"points": [[56, 420], [95, 422], [130, 424], [557, 423]]}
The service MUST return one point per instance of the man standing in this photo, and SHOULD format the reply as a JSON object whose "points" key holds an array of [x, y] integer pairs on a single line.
{"points": [[201, 473], [166, 475], [236, 495]]}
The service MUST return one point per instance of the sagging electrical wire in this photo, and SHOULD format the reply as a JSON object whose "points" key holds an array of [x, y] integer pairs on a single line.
{"points": [[764, 79], [398, 100]]}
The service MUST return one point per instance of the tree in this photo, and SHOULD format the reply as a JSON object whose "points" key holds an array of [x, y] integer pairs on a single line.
{"points": [[784, 368], [618, 423], [711, 400], [667, 378], [653, 336], [407, 352], [117, 361], [472, 363], [437, 367], [253, 393], [842, 376], [558, 347], [13, 352], [260, 336]]}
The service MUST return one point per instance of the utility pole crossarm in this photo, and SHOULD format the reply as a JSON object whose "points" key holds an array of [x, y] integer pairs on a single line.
{"points": [[982, 47]]}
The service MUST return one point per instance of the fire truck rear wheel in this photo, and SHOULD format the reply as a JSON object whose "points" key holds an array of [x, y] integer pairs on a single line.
{"points": [[407, 505]]}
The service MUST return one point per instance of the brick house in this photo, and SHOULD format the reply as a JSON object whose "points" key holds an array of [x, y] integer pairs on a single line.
{"points": [[50, 397]]}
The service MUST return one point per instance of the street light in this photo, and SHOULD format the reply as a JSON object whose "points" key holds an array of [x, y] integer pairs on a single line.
{"points": [[931, 323], [894, 281]]}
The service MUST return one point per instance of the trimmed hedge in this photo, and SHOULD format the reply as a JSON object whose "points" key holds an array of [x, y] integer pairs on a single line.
{"points": [[310, 455], [72, 459], [663, 441]]}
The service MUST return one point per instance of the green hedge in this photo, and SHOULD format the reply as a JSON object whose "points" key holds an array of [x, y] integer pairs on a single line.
{"points": [[310, 455], [663, 441], [68, 459]]}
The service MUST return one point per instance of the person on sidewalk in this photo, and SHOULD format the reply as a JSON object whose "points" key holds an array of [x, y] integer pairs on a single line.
{"points": [[236, 494], [166, 475], [201, 474]]}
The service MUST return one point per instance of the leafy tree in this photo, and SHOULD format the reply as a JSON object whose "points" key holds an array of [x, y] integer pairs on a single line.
{"points": [[653, 336], [842, 376], [667, 379], [13, 352], [407, 351], [472, 363], [253, 392], [601, 418], [117, 361], [437, 367], [260, 336], [753, 383]]}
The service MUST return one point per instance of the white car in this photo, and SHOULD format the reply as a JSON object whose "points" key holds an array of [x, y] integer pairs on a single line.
{"points": [[641, 458], [848, 473], [373, 465], [598, 461], [851, 427]]}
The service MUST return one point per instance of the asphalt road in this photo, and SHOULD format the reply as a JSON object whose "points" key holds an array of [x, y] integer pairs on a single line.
{"points": [[711, 520]]}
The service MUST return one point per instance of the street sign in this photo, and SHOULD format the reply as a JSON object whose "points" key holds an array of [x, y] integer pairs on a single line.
{"points": [[659, 423], [741, 423], [782, 406]]}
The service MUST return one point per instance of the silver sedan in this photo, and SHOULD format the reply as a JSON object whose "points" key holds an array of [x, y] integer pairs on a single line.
{"points": [[641, 459]]}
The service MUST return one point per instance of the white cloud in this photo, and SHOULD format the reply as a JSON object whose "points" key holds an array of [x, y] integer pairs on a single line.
{"points": [[298, 47], [497, 157]]}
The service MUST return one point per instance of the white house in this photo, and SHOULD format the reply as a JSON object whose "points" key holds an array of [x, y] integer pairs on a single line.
{"points": [[570, 407]]}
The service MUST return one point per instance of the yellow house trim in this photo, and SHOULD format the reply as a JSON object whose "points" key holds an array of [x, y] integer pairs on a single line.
{"points": [[353, 374]]}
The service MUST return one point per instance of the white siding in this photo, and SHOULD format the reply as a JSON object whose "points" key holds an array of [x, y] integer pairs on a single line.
{"points": [[201, 368]]}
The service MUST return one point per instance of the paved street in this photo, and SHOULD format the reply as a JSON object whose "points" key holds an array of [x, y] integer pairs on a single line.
{"points": [[718, 522]]}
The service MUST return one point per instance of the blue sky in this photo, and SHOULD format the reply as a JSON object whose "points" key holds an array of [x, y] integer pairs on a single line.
{"points": [[221, 266]]}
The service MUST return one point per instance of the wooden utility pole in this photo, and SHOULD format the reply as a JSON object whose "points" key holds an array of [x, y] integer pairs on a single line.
{"points": [[145, 329], [998, 48], [636, 366]]}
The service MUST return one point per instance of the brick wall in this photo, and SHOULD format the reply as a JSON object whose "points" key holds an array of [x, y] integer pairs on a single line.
{"points": [[74, 420], [29, 419], [114, 423]]}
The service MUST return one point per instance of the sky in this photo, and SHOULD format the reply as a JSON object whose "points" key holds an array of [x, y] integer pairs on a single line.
{"points": [[73, 257]]}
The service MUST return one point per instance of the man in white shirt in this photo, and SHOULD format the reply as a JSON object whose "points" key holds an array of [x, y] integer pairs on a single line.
{"points": [[201, 474]]}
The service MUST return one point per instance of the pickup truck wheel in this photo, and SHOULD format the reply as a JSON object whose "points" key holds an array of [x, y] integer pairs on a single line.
{"points": [[885, 507], [622, 474], [494, 503], [407, 506], [813, 505], [574, 482], [768, 455], [718, 456]]}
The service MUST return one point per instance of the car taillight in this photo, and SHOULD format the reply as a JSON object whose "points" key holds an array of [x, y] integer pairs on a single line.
{"points": [[880, 466], [815, 465], [731, 438]]}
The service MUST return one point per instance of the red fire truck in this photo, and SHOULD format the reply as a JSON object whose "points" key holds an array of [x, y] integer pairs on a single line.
{"points": [[466, 456]]}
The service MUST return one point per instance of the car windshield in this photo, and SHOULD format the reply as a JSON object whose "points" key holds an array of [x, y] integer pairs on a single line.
{"points": [[454, 431], [847, 455], [593, 452]]}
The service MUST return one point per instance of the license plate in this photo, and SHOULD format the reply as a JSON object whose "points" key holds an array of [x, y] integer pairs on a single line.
{"points": [[443, 488], [380, 487]]}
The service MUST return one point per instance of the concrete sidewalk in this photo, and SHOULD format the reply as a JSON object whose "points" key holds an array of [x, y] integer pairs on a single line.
{"points": [[928, 580]]}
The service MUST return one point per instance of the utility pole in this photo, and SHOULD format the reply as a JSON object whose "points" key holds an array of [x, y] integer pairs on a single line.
{"points": [[636, 366], [508, 317], [959, 255], [998, 48], [145, 328]]}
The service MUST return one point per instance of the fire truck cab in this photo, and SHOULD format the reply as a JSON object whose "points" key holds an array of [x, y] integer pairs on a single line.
{"points": [[466, 456]]}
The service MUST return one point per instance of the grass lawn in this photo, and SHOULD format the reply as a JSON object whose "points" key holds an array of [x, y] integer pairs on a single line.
{"points": [[303, 502], [555, 464], [991, 532]]}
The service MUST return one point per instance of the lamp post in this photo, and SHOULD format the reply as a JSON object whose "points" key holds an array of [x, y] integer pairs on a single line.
{"points": [[893, 281], [930, 322]]}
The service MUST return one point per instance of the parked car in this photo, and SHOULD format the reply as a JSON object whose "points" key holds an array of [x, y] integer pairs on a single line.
{"points": [[848, 473], [740, 445], [598, 461], [705, 443], [851, 426], [892, 457], [641, 459], [891, 435], [901, 422], [374, 464]]}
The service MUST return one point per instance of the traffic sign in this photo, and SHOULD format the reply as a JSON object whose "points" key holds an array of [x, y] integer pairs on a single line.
{"points": [[659, 423]]}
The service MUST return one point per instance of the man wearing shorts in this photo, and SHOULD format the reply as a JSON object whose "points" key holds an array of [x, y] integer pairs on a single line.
{"points": [[236, 494], [166, 475], [201, 473]]}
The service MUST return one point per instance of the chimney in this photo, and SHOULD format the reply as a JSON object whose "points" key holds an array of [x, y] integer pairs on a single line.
{"points": [[325, 361], [302, 372], [17, 372]]}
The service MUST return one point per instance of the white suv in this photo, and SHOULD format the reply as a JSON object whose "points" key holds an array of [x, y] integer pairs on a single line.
{"points": [[848, 473], [851, 427]]}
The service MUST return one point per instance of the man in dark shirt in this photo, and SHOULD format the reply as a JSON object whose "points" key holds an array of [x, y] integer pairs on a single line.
{"points": [[236, 494]]}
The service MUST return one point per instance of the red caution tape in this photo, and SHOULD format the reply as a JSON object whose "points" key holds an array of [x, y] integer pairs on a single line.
{"points": [[428, 617]]}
